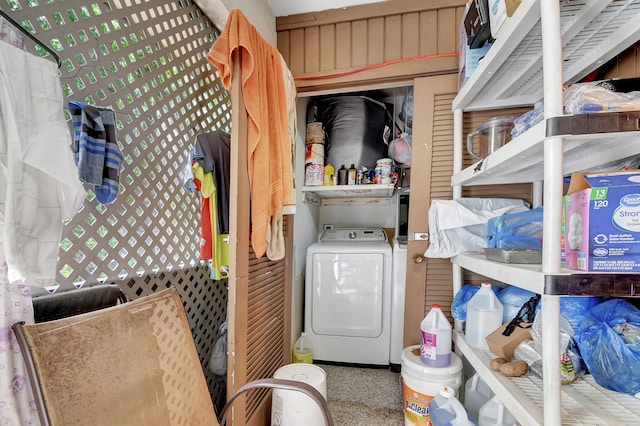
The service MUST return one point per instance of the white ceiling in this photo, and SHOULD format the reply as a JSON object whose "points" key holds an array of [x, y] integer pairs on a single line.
{"points": [[293, 7]]}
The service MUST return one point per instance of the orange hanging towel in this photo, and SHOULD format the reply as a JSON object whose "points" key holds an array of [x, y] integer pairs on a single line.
{"points": [[263, 89]]}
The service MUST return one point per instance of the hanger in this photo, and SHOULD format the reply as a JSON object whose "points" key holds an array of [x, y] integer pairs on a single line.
{"points": [[32, 37]]}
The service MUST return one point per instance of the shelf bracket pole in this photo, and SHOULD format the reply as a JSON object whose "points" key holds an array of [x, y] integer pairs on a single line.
{"points": [[553, 167], [457, 193]]}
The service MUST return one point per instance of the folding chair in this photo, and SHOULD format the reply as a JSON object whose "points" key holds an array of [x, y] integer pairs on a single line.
{"points": [[131, 364]]}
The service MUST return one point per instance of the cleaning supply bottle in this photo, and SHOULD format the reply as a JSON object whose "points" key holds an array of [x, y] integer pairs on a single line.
{"points": [[329, 172], [342, 175], [352, 174], [435, 342], [302, 350], [484, 316], [446, 410]]}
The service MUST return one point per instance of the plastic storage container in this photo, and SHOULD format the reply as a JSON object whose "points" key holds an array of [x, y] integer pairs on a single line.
{"points": [[302, 350], [435, 342], [446, 410], [493, 134], [421, 383], [484, 315], [494, 413], [476, 394], [292, 408]]}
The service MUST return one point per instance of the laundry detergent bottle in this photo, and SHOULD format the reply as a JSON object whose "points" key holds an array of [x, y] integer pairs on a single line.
{"points": [[435, 342], [302, 350], [484, 316]]}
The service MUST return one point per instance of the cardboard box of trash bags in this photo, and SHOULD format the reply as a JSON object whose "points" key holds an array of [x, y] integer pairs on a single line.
{"points": [[601, 221], [505, 345]]}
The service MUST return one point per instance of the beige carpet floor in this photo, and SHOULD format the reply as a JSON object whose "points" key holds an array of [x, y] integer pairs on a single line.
{"points": [[364, 396]]}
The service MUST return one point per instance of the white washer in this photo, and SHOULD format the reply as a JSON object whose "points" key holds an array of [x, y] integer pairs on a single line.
{"points": [[399, 279], [348, 296]]}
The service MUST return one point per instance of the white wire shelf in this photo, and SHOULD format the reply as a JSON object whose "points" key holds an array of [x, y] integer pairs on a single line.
{"points": [[522, 159], [567, 282], [593, 32], [584, 402]]}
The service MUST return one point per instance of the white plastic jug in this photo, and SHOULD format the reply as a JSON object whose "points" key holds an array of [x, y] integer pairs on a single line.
{"points": [[435, 342], [446, 410], [494, 413], [484, 315], [476, 393]]}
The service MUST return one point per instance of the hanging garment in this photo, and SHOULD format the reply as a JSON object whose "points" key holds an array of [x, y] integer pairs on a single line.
{"points": [[292, 119], [268, 149], [275, 238], [39, 186], [8, 35], [212, 150], [206, 239], [16, 396], [219, 242], [186, 174], [96, 150]]}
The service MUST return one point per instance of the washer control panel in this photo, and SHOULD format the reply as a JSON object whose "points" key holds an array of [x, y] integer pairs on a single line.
{"points": [[354, 234]]}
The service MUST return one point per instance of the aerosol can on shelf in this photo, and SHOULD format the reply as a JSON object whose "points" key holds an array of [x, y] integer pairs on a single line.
{"points": [[302, 350]]}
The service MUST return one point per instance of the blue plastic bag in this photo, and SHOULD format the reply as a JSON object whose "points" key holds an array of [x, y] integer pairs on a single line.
{"points": [[614, 363], [512, 299], [522, 230], [574, 308]]}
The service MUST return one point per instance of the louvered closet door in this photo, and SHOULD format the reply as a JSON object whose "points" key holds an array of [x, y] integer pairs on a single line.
{"points": [[429, 280], [259, 311]]}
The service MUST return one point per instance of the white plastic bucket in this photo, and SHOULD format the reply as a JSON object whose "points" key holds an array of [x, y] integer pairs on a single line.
{"points": [[294, 408], [421, 383], [315, 133], [314, 175], [314, 153]]}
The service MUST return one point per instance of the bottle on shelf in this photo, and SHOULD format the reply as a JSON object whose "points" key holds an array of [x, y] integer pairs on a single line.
{"points": [[484, 315], [329, 172], [352, 174], [342, 175], [446, 410], [494, 413], [302, 350], [476, 393], [435, 341]]}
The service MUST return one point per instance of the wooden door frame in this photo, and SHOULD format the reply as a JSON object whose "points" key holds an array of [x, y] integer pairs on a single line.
{"points": [[425, 90]]}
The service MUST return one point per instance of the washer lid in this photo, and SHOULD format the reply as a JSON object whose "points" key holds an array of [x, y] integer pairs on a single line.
{"points": [[354, 234]]}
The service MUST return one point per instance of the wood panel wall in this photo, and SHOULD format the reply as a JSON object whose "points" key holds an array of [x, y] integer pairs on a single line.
{"points": [[625, 65], [378, 43], [385, 45]]}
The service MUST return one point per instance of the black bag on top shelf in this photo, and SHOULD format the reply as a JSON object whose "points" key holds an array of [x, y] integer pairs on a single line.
{"points": [[355, 128]]}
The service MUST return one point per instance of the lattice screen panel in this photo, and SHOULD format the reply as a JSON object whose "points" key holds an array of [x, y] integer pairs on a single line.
{"points": [[206, 305], [145, 59]]}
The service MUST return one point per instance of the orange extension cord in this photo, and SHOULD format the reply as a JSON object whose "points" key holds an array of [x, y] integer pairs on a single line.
{"points": [[369, 67]]}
